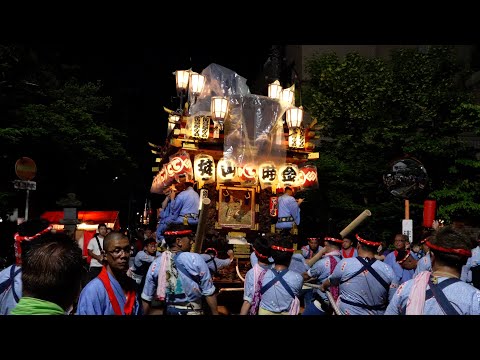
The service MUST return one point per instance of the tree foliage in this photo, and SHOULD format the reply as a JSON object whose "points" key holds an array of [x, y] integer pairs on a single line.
{"points": [[61, 123], [375, 111]]}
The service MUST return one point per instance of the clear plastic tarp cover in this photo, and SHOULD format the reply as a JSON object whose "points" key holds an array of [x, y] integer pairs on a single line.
{"points": [[253, 129]]}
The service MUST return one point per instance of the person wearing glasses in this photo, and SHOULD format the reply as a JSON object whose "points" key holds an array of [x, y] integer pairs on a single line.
{"points": [[179, 278], [112, 292]]}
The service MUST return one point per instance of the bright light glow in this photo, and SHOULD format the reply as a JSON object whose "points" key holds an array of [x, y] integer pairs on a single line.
{"points": [[181, 79], [274, 90], [294, 117], [219, 107], [288, 95], [197, 82]]}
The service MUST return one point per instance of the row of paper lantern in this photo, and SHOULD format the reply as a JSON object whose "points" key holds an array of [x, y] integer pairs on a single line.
{"points": [[204, 170]]}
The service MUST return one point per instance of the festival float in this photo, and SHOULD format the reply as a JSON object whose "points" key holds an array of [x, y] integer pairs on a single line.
{"points": [[241, 150]]}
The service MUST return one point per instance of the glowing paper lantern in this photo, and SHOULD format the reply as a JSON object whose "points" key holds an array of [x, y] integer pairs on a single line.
{"points": [[308, 177], [204, 168], [226, 170], [200, 127], [288, 175], [267, 174], [180, 163], [248, 173], [296, 138]]}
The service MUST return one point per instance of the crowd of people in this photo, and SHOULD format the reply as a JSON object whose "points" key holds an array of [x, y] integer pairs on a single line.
{"points": [[159, 274], [333, 275]]}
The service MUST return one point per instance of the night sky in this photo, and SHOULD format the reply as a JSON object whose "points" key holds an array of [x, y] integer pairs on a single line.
{"points": [[140, 81]]}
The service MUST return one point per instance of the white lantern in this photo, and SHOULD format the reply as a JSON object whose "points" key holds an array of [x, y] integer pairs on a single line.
{"points": [[294, 117], [287, 175], [267, 174], [274, 90], [197, 82], [226, 170], [219, 109], [181, 79], [204, 168], [288, 95]]}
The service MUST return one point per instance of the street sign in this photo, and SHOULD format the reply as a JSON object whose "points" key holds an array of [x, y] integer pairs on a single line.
{"points": [[25, 185], [25, 168], [407, 228]]}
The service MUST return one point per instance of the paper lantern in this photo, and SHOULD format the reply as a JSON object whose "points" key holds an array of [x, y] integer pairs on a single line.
{"points": [[308, 177], [180, 163], [204, 168], [429, 208], [267, 174], [296, 138], [200, 127], [247, 173], [288, 175], [273, 206], [226, 170]]}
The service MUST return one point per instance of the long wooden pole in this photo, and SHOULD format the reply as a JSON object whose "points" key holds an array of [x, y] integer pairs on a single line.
{"points": [[202, 220], [358, 220]]}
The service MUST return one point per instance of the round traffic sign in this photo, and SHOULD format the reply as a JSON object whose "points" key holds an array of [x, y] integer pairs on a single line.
{"points": [[25, 168]]}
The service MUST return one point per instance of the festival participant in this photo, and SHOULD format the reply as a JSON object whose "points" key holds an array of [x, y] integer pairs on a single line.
{"points": [[214, 263], [471, 270], [51, 276], [348, 250], [179, 277], [288, 210], [440, 292], [400, 243], [406, 259], [313, 247], [254, 277], [365, 283], [425, 263], [281, 286], [185, 207], [320, 271], [29, 233], [165, 212], [142, 262], [112, 292]]}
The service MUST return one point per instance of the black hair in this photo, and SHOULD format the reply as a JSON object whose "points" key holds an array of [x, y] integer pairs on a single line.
{"points": [[53, 271], [30, 228], [369, 236], [149, 241], [450, 237], [170, 239], [401, 255], [262, 245], [283, 240]]}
